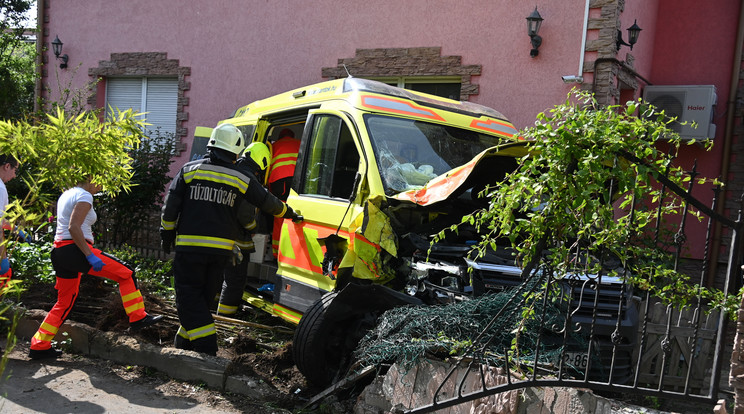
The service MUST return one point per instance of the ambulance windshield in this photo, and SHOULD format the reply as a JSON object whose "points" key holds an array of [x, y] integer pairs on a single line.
{"points": [[409, 153]]}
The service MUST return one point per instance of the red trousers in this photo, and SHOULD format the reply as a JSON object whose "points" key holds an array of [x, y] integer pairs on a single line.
{"points": [[69, 264], [5, 278]]}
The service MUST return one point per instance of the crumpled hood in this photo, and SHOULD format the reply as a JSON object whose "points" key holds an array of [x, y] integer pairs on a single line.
{"points": [[456, 180]]}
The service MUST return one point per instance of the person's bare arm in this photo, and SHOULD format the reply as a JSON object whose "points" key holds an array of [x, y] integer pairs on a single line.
{"points": [[77, 218]]}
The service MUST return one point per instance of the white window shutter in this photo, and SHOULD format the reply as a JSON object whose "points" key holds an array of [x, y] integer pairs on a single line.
{"points": [[123, 94], [162, 104], [158, 97]]}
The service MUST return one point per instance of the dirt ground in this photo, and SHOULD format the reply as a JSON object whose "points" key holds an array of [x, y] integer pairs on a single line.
{"points": [[81, 385], [259, 346]]}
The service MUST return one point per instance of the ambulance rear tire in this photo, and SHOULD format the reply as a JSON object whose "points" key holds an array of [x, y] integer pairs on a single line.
{"points": [[316, 346]]}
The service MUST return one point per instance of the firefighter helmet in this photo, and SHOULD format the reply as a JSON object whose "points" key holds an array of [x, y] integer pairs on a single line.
{"points": [[227, 137], [260, 154]]}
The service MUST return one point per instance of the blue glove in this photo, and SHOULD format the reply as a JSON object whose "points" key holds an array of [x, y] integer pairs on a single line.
{"points": [[23, 236], [95, 262], [4, 266]]}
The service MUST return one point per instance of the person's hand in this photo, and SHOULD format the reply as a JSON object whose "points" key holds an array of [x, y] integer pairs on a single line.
{"points": [[167, 240], [4, 266], [23, 236], [291, 214], [95, 262]]}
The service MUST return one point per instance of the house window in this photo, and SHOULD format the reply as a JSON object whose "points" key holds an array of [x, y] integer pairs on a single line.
{"points": [[156, 96], [446, 87]]}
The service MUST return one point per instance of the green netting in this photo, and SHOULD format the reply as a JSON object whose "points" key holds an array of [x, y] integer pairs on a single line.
{"points": [[407, 334]]}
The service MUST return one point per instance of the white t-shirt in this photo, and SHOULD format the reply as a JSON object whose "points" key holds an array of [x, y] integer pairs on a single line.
{"points": [[3, 198], [65, 205]]}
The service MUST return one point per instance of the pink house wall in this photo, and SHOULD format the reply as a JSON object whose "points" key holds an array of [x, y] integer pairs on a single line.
{"points": [[239, 52], [242, 51], [693, 44]]}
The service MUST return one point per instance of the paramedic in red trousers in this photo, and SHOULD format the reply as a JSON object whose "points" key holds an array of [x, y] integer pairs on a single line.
{"points": [[8, 167], [255, 160], [209, 205], [283, 161], [73, 254]]}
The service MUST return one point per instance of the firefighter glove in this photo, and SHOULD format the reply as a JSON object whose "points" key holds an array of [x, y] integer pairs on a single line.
{"points": [[167, 240], [290, 214], [237, 255], [4, 266], [95, 262]]}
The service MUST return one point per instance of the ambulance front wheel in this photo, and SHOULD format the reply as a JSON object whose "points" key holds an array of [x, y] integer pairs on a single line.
{"points": [[324, 341]]}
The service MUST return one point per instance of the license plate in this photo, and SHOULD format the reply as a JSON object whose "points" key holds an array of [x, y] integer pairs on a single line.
{"points": [[578, 360]]}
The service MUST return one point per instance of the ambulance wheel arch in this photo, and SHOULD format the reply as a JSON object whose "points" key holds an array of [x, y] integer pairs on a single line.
{"points": [[330, 330]]}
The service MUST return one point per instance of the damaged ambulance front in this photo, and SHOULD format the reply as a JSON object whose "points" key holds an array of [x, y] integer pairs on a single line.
{"points": [[421, 166]]}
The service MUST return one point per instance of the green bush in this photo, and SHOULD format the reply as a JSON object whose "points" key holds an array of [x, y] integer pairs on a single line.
{"points": [[155, 275], [121, 217], [31, 262]]}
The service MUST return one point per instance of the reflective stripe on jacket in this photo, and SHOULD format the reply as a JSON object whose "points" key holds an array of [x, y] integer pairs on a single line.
{"points": [[212, 204]]}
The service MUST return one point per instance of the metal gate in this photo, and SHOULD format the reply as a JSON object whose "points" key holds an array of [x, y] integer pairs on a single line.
{"points": [[668, 353]]}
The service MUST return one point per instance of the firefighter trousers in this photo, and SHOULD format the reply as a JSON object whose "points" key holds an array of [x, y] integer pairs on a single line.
{"points": [[232, 287], [198, 278], [69, 265]]}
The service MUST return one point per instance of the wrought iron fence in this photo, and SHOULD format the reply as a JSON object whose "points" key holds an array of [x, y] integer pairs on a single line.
{"points": [[143, 238], [610, 336]]}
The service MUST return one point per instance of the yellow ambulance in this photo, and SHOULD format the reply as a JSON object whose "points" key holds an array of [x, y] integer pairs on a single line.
{"points": [[379, 171]]}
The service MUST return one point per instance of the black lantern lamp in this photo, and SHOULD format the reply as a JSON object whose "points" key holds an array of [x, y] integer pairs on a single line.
{"points": [[633, 32], [534, 21], [57, 49]]}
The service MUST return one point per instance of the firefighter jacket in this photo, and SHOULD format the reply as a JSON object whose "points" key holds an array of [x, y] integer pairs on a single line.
{"points": [[245, 242], [283, 158], [210, 204]]}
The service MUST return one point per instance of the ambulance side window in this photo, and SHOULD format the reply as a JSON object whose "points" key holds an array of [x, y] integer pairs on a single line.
{"points": [[332, 159]]}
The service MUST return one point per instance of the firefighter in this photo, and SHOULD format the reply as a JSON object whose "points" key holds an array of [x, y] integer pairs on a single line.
{"points": [[283, 162], [255, 160], [209, 205]]}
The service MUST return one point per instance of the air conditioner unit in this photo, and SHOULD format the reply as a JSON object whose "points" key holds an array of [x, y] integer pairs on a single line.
{"points": [[687, 103]]}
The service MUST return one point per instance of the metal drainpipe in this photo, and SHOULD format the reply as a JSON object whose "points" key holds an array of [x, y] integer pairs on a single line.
{"points": [[582, 52], [38, 85], [727, 144]]}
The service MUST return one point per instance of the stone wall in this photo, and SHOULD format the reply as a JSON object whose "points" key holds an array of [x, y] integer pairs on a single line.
{"points": [[399, 62], [145, 64]]}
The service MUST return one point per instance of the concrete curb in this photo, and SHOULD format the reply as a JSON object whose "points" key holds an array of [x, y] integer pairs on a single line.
{"points": [[124, 349]]}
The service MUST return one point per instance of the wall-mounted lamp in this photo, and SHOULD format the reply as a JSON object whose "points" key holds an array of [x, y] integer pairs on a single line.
{"points": [[534, 20], [633, 32], [57, 49]]}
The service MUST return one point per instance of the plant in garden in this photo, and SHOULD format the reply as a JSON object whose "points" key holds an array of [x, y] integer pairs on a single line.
{"points": [[121, 216], [568, 202], [153, 274], [11, 289], [31, 262], [17, 58], [63, 151]]}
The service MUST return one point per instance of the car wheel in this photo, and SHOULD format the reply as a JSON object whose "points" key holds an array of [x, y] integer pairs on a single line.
{"points": [[322, 346]]}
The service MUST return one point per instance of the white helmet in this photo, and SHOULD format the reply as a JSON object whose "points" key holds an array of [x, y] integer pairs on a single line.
{"points": [[227, 137]]}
